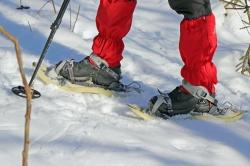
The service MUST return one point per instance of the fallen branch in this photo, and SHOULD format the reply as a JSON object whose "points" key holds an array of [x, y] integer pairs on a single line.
{"points": [[28, 92]]}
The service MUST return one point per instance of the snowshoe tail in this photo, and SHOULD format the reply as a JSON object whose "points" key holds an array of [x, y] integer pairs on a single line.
{"points": [[225, 118], [233, 117], [138, 111]]}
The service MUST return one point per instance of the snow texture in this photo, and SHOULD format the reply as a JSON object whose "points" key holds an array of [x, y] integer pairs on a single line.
{"points": [[93, 130]]}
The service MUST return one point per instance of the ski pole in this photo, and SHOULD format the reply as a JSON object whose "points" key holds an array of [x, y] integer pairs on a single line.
{"points": [[19, 90], [22, 7]]}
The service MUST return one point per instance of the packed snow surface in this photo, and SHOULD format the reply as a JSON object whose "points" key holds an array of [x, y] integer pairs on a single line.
{"points": [[69, 129]]}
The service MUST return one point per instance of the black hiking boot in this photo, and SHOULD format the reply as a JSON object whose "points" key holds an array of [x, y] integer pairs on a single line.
{"points": [[177, 102], [96, 71]]}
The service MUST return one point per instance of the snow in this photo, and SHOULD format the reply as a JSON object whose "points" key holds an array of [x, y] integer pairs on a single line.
{"points": [[93, 130]]}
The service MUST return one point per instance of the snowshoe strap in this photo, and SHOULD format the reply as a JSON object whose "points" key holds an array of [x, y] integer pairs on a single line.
{"points": [[103, 65], [199, 92], [59, 67], [70, 70], [132, 87], [161, 99], [214, 110]]}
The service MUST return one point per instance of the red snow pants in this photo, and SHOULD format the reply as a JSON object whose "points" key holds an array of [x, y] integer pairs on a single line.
{"points": [[113, 21], [197, 45]]}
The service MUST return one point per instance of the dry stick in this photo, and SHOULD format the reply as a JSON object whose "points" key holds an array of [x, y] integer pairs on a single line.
{"points": [[246, 61], [232, 3], [248, 11], [30, 26], [54, 7], [246, 22], [244, 65], [70, 16], [28, 94], [76, 18], [43, 6]]}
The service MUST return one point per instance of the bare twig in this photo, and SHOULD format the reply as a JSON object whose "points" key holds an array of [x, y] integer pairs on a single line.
{"points": [[244, 65], [30, 26], [28, 92], [233, 3], [76, 18], [43, 6], [53, 4], [246, 22], [70, 16], [247, 10], [54, 7]]}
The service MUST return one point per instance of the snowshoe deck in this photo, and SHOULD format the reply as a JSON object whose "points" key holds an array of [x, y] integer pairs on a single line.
{"points": [[138, 111], [41, 74], [226, 118]]}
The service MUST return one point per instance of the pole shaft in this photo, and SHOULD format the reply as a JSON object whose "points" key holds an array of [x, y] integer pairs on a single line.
{"points": [[55, 25]]}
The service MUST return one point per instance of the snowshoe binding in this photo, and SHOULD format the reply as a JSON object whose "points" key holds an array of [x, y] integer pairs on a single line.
{"points": [[94, 71], [198, 102]]}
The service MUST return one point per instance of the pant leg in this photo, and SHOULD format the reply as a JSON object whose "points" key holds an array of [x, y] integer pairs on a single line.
{"points": [[191, 8], [198, 43], [113, 21]]}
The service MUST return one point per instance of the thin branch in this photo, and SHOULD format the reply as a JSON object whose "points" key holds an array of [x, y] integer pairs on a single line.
{"points": [[244, 65], [232, 3], [30, 26], [234, 8], [246, 27], [70, 16], [54, 7], [53, 4], [246, 22], [247, 10], [28, 92], [76, 18], [43, 6]]}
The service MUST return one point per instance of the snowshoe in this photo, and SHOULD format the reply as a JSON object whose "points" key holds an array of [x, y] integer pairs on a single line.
{"points": [[93, 69], [84, 77], [198, 103]]}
